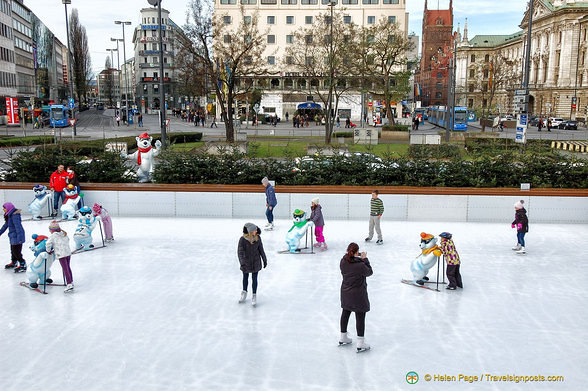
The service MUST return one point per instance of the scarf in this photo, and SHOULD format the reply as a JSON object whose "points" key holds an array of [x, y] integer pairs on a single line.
{"points": [[430, 250], [142, 150], [298, 224], [70, 197]]}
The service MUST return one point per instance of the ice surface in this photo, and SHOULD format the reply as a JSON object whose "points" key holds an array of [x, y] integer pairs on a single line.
{"points": [[157, 310]]}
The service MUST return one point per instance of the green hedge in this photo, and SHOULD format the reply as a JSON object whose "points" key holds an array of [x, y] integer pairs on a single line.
{"points": [[396, 128], [343, 134]]}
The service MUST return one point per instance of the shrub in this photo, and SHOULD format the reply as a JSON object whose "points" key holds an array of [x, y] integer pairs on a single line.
{"points": [[396, 127]]}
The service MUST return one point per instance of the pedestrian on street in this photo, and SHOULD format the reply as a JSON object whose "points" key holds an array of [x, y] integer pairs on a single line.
{"points": [[539, 124], [549, 125], [213, 122], [140, 120]]}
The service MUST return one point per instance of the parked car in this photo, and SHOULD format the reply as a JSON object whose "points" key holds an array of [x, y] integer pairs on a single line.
{"points": [[555, 122], [568, 125], [534, 121]]}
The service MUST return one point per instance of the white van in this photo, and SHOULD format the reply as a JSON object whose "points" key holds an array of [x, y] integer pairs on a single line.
{"points": [[555, 121]]}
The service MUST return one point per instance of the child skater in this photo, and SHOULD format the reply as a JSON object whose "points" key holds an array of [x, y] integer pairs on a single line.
{"points": [[100, 211], [250, 252], [58, 242], [521, 223], [316, 216], [16, 236], [452, 257]]}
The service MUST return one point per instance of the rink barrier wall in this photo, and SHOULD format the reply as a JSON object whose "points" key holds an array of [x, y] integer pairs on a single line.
{"points": [[402, 203]]}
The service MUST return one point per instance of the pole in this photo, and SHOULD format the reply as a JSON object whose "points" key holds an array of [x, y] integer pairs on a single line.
{"points": [[70, 79], [575, 100], [528, 57], [126, 73], [161, 78]]}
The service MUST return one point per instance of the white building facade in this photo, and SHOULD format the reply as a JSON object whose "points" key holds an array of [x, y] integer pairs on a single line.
{"points": [[282, 92]]}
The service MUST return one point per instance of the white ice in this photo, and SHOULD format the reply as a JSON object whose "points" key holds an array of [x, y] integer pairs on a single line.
{"points": [[157, 310]]}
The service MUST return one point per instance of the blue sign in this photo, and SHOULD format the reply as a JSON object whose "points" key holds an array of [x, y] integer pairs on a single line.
{"points": [[71, 103], [151, 27]]}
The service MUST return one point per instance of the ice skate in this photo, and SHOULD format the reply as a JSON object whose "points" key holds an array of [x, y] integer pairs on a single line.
{"points": [[254, 300], [521, 251], [362, 346], [517, 247], [243, 296], [379, 241], [11, 265], [368, 239], [451, 288], [21, 268], [269, 227], [324, 247], [34, 285], [49, 281], [344, 340], [317, 244], [68, 288]]}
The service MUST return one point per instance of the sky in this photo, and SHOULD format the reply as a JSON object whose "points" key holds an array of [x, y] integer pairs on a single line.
{"points": [[484, 17]]}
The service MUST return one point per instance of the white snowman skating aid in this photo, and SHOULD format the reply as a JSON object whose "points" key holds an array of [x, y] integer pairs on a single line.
{"points": [[40, 202], [144, 156], [38, 273], [429, 256], [298, 230], [71, 203], [86, 224]]}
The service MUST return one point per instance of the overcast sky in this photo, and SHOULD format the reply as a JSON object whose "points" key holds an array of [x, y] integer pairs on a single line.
{"points": [[98, 16]]}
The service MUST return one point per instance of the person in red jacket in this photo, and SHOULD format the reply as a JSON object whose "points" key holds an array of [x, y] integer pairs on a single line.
{"points": [[57, 183]]}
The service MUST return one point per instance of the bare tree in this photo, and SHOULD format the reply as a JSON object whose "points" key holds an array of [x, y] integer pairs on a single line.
{"points": [[193, 78], [82, 62], [325, 52], [383, 52], [230, 51]]}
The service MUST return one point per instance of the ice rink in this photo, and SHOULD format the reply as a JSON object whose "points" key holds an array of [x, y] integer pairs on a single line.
{"points": [[157, 310]]}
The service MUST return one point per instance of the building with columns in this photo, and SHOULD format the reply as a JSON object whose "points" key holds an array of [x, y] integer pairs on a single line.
{"points": [[558, 79], [282, 91]]}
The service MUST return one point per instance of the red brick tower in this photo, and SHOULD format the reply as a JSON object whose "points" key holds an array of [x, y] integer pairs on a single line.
{"points": [[437, 44]]}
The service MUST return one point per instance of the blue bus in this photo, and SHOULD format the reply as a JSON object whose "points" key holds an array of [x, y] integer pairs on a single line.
{"points": [[440, 116], [58, 116]]}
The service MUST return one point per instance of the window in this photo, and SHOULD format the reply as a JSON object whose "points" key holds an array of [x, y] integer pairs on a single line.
{"points": [[371, 19], [370, 39], [370, 1], [471, 88], [289, 60], [473, 58], [269, 1], [487, 57], [271, 60], [226, 19], [227, 38], [289, 39], [347, 19], [271, 39], [438, 86], [348, 1], [271, 20], [247, 38], [308, 2], [289, 20], [472, 72], [391, 19], [486, 73], [248, 1], [439, 75], [327, 2], [308, 39], [438, 95], [308, 19], [222, 2], [289, 2], [309, 61], [390, 1], [247, 19]]}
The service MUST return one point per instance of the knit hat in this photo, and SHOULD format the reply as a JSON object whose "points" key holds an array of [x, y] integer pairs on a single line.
{"points": [[39, 238], [97, 208], [445, 235], [54, 226], [9, 206], [265, 180], [249, 228], [315, 200], [426, 236], [519, 204], [144, 136]]}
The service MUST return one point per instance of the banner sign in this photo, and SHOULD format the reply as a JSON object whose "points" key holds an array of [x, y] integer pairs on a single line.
{"points": [[12, 111]]}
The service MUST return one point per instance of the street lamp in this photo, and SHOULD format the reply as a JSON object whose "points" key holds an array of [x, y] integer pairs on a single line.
{"points": [[330, 115], [117, 40], [123, 23], [69, 61], [111, 65], [161, 78]]}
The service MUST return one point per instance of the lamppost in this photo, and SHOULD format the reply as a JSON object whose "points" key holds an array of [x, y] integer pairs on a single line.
{"points": [[111, 67], [123, 23], [330, 116], [118, 68], [161, 78], [69, 61]]}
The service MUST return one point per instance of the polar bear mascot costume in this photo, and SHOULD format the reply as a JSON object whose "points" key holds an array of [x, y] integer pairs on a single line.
{"points": [[429, 256], [144, 156], [298, 230], [71, 203], [40, 202], [86, 224], [42, 263]]}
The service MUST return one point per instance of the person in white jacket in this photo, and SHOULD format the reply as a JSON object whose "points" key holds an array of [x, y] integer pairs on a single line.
{"points": [[58, 242]]}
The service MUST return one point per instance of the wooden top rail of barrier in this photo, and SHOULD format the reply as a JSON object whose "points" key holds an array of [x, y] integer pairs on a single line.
{"points": [[481, 191]]}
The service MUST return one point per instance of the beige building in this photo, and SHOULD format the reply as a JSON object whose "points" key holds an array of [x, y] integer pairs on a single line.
{"points": [[282, 18], [559, 62]]}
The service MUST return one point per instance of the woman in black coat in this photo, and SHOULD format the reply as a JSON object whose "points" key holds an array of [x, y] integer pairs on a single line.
{"points": [[250, 252], [355, 267]]}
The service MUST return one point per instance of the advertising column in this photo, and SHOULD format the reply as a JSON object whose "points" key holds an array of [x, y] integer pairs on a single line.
{"points": [[12, 111]]}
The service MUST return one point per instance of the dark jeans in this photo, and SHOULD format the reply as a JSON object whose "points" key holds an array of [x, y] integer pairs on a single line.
{"points": [[453, 276], [521, 238], [359, 322], [269, 213], [16, 254], [57, 195], [253, 281]]}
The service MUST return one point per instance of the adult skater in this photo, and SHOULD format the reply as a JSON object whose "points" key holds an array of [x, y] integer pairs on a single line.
{"points": [[57, 183], [58, 242], [521, 223], [250, 252], [316, 216], [270, 202], [376, 211], [16, 236], [447, 247], [355, 267]]}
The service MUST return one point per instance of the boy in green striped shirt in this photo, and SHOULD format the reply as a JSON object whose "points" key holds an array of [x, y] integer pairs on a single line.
{"points": [[376, 211]]}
